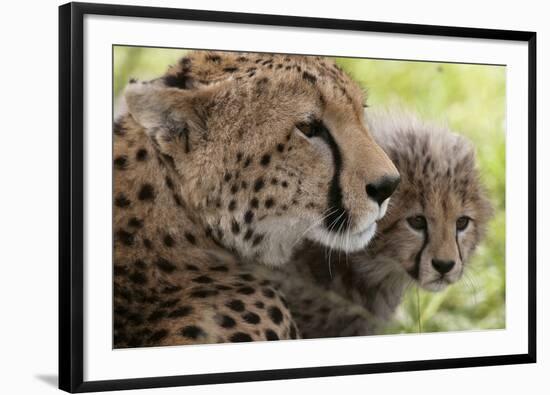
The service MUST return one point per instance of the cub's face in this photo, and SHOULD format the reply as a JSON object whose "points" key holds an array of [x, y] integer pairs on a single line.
{"points": [[269, 149], [438, 214]]}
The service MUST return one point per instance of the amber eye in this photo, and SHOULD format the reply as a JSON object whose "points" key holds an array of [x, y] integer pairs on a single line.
{"points": [[311, 129], [462, 223], [418, 222]]}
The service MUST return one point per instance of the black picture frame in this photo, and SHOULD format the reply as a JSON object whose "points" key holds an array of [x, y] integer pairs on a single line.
{"points": [[71, 173]]}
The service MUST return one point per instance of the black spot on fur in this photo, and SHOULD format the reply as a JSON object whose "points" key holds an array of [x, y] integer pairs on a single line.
{"points": [[171, 289], [203, 293], [271, 335], [264, 161], [252, 318], [230, 69], [140, 264], [284, 184], [179, 80], [226, 321], [219, 268], [120, 270], [165, 265], [259, 304], [280, 147], [122, 201], [247, 162], [169, 182], [192, 332], [121, 162], [246, 290], [190, 238], [235, 227], [118, 129], [141, 154], [125, 237], [148, 244], [248, 235], [257, 240], [181, 311], [158, 335], [235, 305], [309, 77], [227, 177], [247, 277], [240, 337], [248, 216], [138, 278], [177, 200], [168, 159], [203, 280], [169, 241], [213, 58], [232, 205], [269, 202], [254, 203], [191, 267], [268, 293], [234, 188], [135, 222], [147, 192], [258, 184], [275, 314]]}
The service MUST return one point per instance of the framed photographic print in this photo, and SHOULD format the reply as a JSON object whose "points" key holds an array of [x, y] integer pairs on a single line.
{"points": [[257, 197]]}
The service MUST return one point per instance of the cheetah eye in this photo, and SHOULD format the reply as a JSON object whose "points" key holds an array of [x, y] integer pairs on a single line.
{"points": [[311, 129], [462, 223], [418, 222]]}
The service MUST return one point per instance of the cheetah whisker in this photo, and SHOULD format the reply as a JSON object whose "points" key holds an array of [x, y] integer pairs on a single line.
{"points": [[315, 224]]}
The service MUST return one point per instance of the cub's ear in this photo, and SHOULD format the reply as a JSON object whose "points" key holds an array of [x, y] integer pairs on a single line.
{"points": [[169, 115]]}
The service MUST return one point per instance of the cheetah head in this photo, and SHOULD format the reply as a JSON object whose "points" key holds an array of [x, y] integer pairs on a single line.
{"points": [[439, 212], [269, 150]]}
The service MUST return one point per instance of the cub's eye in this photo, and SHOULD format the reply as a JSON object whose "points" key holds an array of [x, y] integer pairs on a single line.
{"points": [[418, 222], [462, 223], [310, 129]]}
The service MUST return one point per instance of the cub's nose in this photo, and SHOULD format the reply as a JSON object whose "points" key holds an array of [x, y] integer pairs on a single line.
{"points": [[442, 266], [382, 188]]}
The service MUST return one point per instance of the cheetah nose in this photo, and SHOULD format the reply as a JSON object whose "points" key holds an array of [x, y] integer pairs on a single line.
{"points": [[442, 266], [382, 188]]}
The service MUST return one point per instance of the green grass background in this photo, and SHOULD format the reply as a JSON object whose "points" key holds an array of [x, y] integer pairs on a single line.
{"points": [[471, 100]]}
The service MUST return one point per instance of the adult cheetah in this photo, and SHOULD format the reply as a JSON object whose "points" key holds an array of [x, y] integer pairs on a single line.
{"points": [[224, 161], [436, 219]]}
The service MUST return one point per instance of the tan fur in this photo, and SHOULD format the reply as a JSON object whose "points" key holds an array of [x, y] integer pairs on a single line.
{"points": [[211, 173], [440, 181]]}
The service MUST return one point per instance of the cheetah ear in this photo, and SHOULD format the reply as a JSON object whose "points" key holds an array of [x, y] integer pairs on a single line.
{"points": [[168, 114]]}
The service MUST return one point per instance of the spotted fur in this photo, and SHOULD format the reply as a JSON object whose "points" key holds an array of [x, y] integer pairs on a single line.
{"points": [[212, 175]]}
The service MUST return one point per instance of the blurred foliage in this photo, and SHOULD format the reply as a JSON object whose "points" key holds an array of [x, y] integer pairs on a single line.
{"points": [[471, 100]]}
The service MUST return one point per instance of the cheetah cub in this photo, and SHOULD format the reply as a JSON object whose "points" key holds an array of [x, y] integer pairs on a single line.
{"points": [[436, 219]]}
